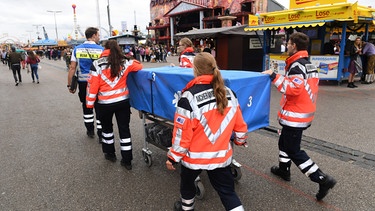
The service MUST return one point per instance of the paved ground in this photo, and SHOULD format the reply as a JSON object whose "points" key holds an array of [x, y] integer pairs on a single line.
{"points": [[48, 163]]}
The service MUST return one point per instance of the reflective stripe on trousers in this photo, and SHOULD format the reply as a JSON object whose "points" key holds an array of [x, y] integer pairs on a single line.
{"points": [[290, 148]]}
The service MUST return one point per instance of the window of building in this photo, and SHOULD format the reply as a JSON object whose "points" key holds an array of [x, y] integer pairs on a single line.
{"points": [[246, 6]]}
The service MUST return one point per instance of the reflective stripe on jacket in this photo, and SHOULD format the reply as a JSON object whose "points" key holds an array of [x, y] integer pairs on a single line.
{"points": [[201, 135], [108, 90], [187, 57], [300, 88]]}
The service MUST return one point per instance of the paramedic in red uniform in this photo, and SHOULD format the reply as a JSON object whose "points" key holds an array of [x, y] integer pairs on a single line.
{"points": [[107, 82], [187, 53], [299, 87], [206, 115]]}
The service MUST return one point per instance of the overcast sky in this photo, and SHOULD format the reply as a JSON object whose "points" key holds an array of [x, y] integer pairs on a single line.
{"points": [[20, 17]]}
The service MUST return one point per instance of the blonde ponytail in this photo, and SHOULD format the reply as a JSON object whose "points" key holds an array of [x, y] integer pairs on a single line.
{"points": [[219, 91]]}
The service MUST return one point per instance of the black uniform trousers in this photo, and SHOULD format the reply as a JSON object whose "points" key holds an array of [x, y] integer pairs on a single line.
{"points": [[221, 180], [290, 143], [121, 110], [88, 113]]}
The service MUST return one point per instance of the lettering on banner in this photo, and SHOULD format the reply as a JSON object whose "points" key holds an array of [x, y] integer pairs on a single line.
{"points": [[250, 101], [269, 19], [293, 17], [322, 14]]}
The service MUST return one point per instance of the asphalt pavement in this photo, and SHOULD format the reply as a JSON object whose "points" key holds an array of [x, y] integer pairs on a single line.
{"points": [[48, 163]]}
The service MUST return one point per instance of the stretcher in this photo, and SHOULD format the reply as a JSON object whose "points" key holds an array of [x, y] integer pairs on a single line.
{"points": [[156, 91]]}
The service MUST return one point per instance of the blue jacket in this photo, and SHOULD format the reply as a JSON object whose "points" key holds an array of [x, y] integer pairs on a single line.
{"points": [[84, 55]]}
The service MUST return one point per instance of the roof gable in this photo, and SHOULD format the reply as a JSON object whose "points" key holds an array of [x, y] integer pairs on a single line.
{"points": [[183, 7]]}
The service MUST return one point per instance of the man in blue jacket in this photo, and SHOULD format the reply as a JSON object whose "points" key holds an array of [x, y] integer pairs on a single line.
{"points": [[82, 57]]}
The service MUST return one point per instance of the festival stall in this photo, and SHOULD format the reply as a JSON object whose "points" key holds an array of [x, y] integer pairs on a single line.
{"points": [[328, 23]]}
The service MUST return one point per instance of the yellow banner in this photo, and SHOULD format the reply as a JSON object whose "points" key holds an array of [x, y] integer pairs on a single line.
{"points": [[334, 13], [253, 20], [293, 4]]}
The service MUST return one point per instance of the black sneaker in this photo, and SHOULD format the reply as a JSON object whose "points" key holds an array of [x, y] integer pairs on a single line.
{"points": [[177, 206], [285, 175], [350, 85], [328, 183], [90, 133], [127, 165], [16, 83], [110, 156]]}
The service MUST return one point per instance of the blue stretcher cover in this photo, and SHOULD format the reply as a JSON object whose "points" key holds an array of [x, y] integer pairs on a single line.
{"points": [[157, 90]]}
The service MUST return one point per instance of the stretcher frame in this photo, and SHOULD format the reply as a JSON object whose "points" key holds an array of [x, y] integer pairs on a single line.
{"points": [[147, 153]]}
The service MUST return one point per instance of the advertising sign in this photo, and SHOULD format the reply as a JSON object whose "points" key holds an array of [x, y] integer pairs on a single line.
{"points": [[253, 20], [327, 66], [277, 63], [255, 43], [293, 4], [323, 13]]}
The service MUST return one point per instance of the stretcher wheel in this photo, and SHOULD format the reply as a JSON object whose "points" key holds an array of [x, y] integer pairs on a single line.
{"points": [[147, 158], [236, 172], [200, 191]]}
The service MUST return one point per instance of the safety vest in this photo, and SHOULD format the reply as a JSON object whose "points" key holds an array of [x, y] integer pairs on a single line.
{"points": [[101, 85], [187, 57], [300, 90], [84, 55], [201, 135]]}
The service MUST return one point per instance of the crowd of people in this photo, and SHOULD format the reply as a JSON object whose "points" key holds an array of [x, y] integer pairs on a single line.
{"points": [[17, 61]]}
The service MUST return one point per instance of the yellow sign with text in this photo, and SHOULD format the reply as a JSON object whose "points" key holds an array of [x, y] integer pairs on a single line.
{"points": [[332, 13], [293, 4], [253, 20]]}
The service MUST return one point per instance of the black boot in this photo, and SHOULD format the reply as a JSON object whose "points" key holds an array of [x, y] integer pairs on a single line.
{"points": [[110, 156], [354, 85], [284, 174], [177, 206], [325, 181], [127, 165]]}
